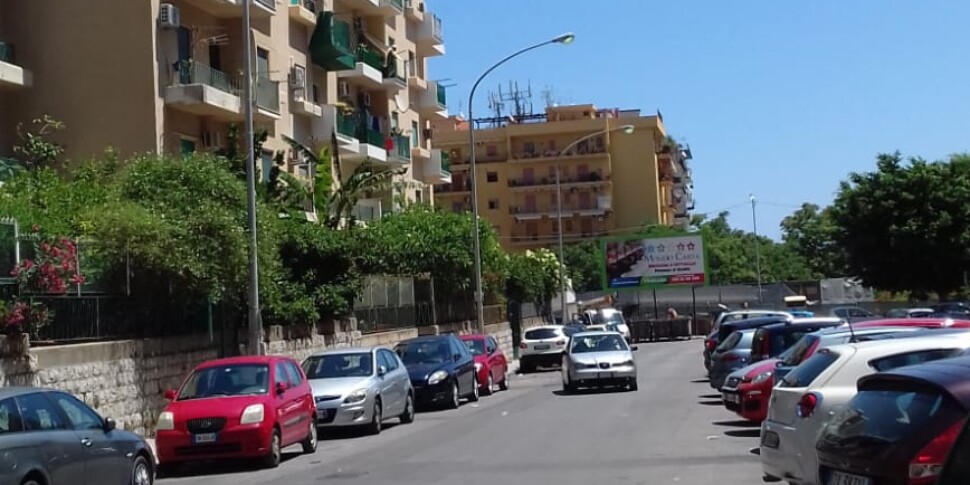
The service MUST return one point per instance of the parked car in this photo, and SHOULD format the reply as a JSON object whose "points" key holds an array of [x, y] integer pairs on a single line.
{"points": [[802, 402], [900, 426], [358, 386], [441, 369], [771, 340], [596, 359], [851, 314], [926, 322], [612, 316], [910, 312], [543, 346], [957, 467], [733, 354], [50, 435], [714, 338], [490, 362], [240, 407]]}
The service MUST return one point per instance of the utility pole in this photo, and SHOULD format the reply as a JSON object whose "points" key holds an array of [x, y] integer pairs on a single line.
{"points": [[255, 325], [757, 247]]}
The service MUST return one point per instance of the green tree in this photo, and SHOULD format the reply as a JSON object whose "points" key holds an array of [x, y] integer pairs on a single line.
{"points": [[810, 233], [732, 258], [906, 225], [584, 265], [35, 150], [533, 276]]}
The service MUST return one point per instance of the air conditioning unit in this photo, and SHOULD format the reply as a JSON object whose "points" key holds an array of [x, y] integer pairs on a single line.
{"points": [[168, 16], [366, 99], [343, 89], [211, 140], [298, 77]]}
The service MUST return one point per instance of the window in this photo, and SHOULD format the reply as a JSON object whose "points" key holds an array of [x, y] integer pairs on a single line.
{"points": [[491, 177], [10, 421], [457, 348], [911, 358], [395, 120], [529, 147], [78, 413], [316, 94], [333, 366], [493, 204], [279, 374], [388, 359], [809, 370], [39, 413], [415, 138], [215, 57], [187, 146], [296, 378], [262, 63], [490, 345], [266, 165]]}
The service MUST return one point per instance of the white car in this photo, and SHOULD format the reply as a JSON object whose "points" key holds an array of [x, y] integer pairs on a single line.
{"points": [[807, 396], [612, 316], [543, 345], [598, 358]]}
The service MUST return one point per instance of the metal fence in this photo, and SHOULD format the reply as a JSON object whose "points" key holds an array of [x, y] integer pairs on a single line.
{"points": [[386, 303]]}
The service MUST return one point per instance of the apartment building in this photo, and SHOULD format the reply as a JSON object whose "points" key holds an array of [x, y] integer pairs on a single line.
{"points": [[165, 77], [676, 183], [611, 184]]}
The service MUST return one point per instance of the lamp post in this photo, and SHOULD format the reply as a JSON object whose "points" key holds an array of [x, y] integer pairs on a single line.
{"points": [[479, 294], [757, 249], [255, 326], [627, 129]]}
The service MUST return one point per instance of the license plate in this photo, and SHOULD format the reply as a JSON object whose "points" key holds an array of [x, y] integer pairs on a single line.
{"points": [[542, 347], [203, 438], [605, 375], [840, 478], [731, 397]]}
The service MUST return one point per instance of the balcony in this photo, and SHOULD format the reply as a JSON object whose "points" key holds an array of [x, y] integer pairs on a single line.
{"points": [[231, 9], [11, 74], [267, 97], [367, 71], [399, 150], [455, 187], [384, 8], [367, 210], [594, 179], [395, 75], [201, 90], [371, 145], [303, 12], [330, 46], [333, 122], [600, 208], [300, 105], [435, 170], [430, 41], [584, 150], [414, 79], [433, 101], [414, 10]]}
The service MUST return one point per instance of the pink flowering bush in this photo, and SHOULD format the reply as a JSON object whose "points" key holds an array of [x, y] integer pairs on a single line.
{"points": [[49, 273]]}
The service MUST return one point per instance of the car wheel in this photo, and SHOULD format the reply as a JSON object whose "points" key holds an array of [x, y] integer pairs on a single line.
{"points": [[455, 396], [408, 415], [377, 420], [489, 385], [633, 384], [473, 397], [310, 442], [272, 460], [141, 472], [504, 385], [31, 482]]}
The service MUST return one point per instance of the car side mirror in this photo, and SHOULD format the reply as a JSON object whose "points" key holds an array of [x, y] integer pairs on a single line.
{"points": [[109, 424], [281, 387], [170, 394], [381, 370], [635, 348], [779, 364]]}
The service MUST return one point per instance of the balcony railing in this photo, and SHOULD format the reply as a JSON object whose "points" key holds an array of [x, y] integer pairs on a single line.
{"points": [[465, 186], [441, 92], [346, 124], [191, 72], [372, 137], [370, 57], [550, 209], [534, 182], [307, 4], [436, 27], [268, 94], [6, 52], [398, 4], [445, 163], [270, 4]]}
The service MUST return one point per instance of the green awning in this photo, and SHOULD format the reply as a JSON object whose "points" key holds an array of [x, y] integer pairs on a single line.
{"points": [[330, 44]]}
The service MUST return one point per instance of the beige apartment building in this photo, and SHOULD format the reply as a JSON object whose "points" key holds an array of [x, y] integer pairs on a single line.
{"points": [[612, 184], [165, 77]]}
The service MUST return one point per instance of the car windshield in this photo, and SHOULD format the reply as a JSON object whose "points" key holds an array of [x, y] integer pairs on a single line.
{"points": [[597, 343], [226, 380], [424, 352], [476, 347], [339, 365]]}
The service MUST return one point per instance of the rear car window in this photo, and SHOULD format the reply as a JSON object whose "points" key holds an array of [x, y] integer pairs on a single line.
{"points": [[541, 334], [884, 417], [796, 354], [730, 342], [808, 371], [911, 358]]}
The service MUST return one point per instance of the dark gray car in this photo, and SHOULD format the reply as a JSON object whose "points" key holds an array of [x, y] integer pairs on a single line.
{"points": [[50, 437], [733, 354]]}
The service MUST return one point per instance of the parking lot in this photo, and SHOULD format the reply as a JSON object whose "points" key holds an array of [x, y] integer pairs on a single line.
{"points": [[673, 430]]}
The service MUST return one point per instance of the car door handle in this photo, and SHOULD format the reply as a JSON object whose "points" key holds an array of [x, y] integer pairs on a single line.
{"points": [[86, 442]]}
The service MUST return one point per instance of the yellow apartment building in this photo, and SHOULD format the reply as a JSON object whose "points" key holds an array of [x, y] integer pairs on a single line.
{"points": [[165, 77], [611, 184]]}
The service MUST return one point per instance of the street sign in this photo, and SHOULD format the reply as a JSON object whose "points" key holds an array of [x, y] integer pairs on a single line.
{"points": [[655, 262]]}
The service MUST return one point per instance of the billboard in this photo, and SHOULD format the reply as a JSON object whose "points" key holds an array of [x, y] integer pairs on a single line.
{"points": [[655, 262]]}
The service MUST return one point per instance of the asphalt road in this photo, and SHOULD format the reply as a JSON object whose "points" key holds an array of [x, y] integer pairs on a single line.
{"points": [[673, 430]]}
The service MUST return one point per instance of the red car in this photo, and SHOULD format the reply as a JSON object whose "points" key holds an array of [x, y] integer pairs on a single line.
{"points": [[491, 366], [749, 397], [241, 407]]}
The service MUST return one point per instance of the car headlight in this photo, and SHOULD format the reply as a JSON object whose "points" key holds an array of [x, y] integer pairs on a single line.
{"points": [[583, 365], [764, 376], [166, 421], [254, 413], [437, 377], [625, 363], [356, 396], [478, 366]]}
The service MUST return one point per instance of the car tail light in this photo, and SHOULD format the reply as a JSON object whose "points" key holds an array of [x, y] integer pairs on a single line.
{"points": [[926, 466], [523, 345], [730, 357], [710, 344], [807, 404]]}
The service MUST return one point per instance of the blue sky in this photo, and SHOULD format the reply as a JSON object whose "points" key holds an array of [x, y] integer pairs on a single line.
{"points": [[777, 98]]}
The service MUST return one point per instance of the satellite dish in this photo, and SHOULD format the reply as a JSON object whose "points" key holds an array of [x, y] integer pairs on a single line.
{"points": [[401, 105]]}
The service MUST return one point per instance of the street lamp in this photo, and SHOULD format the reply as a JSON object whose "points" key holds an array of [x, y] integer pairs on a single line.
{"points": [[566, 38], [255, 325], [757, 249], [626, 129]]}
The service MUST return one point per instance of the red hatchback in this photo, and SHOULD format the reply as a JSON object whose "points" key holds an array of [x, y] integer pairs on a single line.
{"points": [[491, 366], [241, 407]]}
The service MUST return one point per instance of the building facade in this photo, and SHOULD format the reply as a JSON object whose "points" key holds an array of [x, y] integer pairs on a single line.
{"points": [[611, 184], [166, 77]]}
